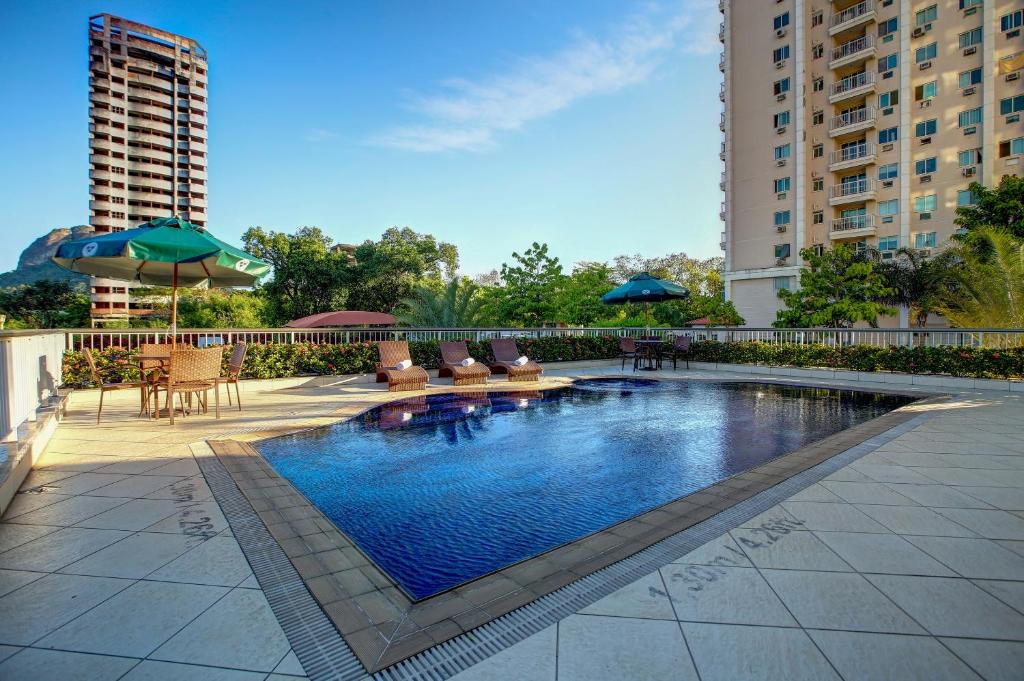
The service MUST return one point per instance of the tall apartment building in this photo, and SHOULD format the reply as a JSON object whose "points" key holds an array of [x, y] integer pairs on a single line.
{"points": [[147, 137], [859, 123]]}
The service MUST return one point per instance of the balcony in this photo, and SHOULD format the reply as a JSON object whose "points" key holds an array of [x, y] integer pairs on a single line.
{"points": [[854, 227], [721, 123], [721, 33], [856, 191], [722, 241], [852, 17], [721, 151], [721, 63], [853, 52], [721, 93], [721, 6], [851, 157], [857, 85], [852, 121]]}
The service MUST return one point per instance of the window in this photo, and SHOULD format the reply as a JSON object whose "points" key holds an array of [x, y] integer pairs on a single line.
{"points": [[926, 15], [780, 53], [781, 283], [781, 21], [782, 217], [925, 166], [817, 118], [925, 91], [964, 4], [926, 53], [817, 151], [1014, 147], [965, 197], [887, 99], [969, 78], [924, 204], [888, 26], [1011, 105], [972, 37], [888, 135], [969, 157], [818, 184], [782, 251], [782, 152], [1010, 21], [781, 185], [817, 51], [889, 171], [818, 84], [888, 63], [925, 128], [890, 207], [817, 18], [888, 243], [780, 119], [781, 86], [969, 117], [925, 240], [818, 217]]}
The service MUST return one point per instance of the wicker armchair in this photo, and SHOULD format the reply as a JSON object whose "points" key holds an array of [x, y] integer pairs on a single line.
{"points": [[391, 353], [235, 371], [152, 369], [452, 355], [680, 348], [106, 386], [192, 372], [505, 355]]}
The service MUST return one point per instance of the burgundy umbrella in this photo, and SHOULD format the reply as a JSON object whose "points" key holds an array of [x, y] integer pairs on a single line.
{"points": [[342, 318]]}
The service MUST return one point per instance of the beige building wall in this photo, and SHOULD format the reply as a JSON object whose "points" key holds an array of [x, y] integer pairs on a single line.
{"points": [[881, 99], [147, 137]]}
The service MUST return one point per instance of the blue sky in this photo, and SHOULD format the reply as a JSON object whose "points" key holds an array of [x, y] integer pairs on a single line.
{"points": [[589, 124]]}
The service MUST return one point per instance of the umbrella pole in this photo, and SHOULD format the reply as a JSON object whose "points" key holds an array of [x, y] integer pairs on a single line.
{"points": [[647, 316], [174, 306]]}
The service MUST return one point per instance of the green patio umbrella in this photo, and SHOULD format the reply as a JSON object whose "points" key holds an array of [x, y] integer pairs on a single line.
{"points": [[643, 288], [162, 252]]}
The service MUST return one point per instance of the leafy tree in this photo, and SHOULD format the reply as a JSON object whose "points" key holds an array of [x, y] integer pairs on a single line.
{"points": [[999, 207], [526, 297], [578, 299], [218, 308], [989, 289], [918, 284], [45, 304], [456, 305], [837, 289]]}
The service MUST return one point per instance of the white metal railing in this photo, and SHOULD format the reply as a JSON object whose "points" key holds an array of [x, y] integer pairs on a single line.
{"points": [[30, 371], [851, 188], [854, 117], [851, 83], [851, 13], [851, 153], [853, 222], [851, 48]]}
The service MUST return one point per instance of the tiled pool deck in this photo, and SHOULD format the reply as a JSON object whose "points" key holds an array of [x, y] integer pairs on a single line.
{"points": [[116, 562]]}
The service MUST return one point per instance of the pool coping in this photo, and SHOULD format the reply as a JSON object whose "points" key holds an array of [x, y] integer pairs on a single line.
{"points": [[382, 626]]}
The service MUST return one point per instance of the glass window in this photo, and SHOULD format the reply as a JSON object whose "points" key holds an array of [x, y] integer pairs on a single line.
{"points": [[782, 217], [889, 62], [817, 118], [969, 117], [1014, 147], [925, 128], [1010, 21], [969, 78], [972, 37], [965, 197], [888, 171], [818, 217], [782, 251], [818, 84], [925, 240], [782, 151], [781, 119], [925, 91], [926, 53], [780, 53], [817, 18], [888, 26], [818, 184], [817, 151], [964, 4], [925, 204], [888, 243], [969, 157], [1011, 105], [781, 21], [887, 99], [925, 166], [888, 135], [890, 207], [926, 15], [781, 283], [781, 185], [781, 86]]}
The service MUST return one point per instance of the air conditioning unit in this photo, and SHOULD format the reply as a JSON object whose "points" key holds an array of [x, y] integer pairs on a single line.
{"points": [[781, 129], [968, 91], [780, 98], [887, 147], [924, 252], [780, 196], [780, 162], [886, 111], [969, 171], [971, 130], [887, 75], [917, 32], [780, 64], [887, 220], [886, 255], [781, 228], [1012, 76], [968, 51], [926, 178], [925, 65], [887, 184], [1013, 118], [925, 103], [781, 33], [779, 262], [924, 216], [926, 140]]}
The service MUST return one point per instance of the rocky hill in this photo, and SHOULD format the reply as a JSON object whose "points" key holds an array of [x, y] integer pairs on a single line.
{"points": [[35, 264]]}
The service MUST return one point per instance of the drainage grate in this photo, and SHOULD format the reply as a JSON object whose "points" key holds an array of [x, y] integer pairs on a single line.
{"points": [[316, 642]]}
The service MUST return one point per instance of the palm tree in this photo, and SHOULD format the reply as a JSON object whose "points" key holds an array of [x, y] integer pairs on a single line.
{"points": [[919, 284], [989, 282], [457, 305]]}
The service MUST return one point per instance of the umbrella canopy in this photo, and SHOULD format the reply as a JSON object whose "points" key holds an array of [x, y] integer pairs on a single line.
{"points": [[643, 288], [341, 318]]}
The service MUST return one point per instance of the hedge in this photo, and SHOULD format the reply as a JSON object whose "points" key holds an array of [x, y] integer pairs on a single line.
{"points": [[309, 359]]}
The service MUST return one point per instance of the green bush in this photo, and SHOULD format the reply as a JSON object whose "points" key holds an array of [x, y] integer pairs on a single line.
{"points": [[311, 359]]}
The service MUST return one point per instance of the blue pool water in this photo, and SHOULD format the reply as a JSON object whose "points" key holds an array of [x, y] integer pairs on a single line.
{"points": [[442, 489]]}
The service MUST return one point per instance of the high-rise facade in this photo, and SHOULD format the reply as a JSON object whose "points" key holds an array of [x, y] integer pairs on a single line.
{"points": [[859, 122], [147, 138]]}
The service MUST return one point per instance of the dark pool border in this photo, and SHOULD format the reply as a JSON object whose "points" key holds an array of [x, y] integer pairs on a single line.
{"points": [[382, 626]]}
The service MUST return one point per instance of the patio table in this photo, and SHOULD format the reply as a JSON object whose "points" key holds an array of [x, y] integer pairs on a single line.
{"points": [[151, 373], [648, 347]]}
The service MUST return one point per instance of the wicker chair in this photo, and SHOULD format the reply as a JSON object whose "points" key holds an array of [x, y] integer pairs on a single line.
{"points": [[391, 353], [452, 355], [680, 348], [192, 372], [152, 369], [110, 386], [505, 355], [627, 350], [235, 371]]}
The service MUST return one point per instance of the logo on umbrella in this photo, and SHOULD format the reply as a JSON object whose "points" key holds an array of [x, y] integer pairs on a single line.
{"points": [[90, 249], [241, 265], [646, 291]]}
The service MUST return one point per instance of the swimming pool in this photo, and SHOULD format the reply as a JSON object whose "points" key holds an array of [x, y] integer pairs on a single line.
{"points": [[442, 489]]}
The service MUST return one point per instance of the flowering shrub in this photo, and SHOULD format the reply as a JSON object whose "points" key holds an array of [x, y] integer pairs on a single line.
{"points": [[311, 359]]}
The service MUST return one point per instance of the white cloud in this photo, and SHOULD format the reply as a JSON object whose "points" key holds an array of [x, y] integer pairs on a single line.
{"points": [[469, 114], [320, 135]]}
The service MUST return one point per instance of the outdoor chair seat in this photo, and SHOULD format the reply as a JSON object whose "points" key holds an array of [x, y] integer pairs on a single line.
{"points": [[506, 352], [452, 355], [391, 353]]}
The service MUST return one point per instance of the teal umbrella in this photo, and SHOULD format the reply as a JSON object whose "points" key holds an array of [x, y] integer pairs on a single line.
{"points": [[643, 288], [162, 252]]}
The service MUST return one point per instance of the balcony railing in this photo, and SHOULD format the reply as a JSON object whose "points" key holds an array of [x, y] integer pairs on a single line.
{"points": [[853, 82], [851, 153], [861, 44], [853, 222], [855, 117], [851, 13], [853, 188]]}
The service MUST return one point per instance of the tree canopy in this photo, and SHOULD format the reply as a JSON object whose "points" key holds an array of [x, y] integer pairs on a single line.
{"points": [[1002, 207], [45, 304], [989, 289]]}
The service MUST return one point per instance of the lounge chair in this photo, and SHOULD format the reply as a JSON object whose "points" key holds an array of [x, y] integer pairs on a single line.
{"points": [[506, 354], [680, 348], [452, 356], [391, 353]]}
